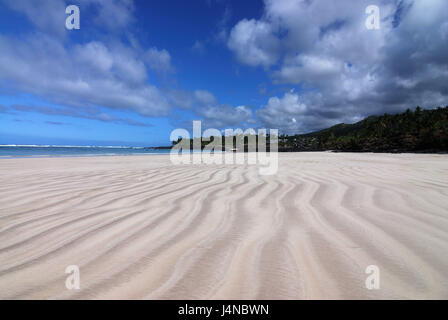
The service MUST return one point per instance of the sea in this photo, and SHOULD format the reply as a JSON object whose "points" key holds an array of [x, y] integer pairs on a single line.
{"points": [[25, 151]]}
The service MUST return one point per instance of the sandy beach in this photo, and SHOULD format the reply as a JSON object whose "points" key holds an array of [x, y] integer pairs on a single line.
{"points": [[140, 227]]}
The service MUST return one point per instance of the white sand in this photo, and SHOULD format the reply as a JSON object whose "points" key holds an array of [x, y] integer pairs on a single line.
{"points": [[139, 227]]}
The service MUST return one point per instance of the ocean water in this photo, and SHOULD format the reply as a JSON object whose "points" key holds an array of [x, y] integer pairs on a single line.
{"points": [[8, 151]]}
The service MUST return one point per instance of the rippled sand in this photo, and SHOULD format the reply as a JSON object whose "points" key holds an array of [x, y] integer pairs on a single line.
{"points": [[139, 227]]}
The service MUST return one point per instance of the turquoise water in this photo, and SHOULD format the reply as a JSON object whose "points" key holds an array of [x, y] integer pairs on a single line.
{"points": [[68, 151]]}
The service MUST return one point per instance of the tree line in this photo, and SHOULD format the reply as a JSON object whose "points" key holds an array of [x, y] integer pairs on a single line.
{"points": [[411, 131]]}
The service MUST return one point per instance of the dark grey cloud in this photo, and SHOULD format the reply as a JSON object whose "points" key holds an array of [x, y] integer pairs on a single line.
{"points": [[346, 71]]}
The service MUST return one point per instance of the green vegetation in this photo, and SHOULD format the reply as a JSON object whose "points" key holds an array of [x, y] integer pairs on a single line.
{"points": [[239, 142], [411, 131]]}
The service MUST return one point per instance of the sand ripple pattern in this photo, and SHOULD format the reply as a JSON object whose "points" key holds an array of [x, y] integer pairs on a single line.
{"points": [[141, 228]]}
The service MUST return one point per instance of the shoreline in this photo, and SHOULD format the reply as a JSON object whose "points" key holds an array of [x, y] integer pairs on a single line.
{"points": [[167, 153]]}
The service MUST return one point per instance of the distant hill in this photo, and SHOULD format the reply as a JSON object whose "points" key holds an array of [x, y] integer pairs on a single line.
{"points": [[411, 131]]}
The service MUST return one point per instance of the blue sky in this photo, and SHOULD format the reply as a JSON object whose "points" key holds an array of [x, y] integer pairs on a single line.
{"points": [[136, 70]]}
